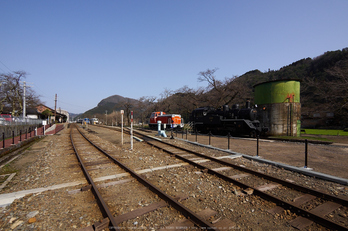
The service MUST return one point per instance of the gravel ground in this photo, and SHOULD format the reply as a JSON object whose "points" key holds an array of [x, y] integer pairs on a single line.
{"points": [[328, 159], [51, 162]]}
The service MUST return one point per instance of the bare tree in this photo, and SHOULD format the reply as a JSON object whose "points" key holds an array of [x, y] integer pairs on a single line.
{"points": [[333, 94], [145, 106], [185, 100], [11, 94], [338, 86], [163, 104], [116, 116], [218, 92], [127, 105], [113, 117]]}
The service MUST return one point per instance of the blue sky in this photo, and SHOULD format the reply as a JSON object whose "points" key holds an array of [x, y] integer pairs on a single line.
{"points": [[85, 51]]}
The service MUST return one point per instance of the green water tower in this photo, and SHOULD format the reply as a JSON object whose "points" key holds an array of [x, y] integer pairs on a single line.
{"points": [[279, 107]]}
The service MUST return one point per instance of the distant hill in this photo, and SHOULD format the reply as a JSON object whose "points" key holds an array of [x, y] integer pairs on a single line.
{"points": [[324, 90], [111, 103], [73, 115], [324, 84]]}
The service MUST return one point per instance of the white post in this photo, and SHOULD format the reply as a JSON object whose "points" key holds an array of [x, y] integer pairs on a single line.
{"points": [[131, 132], [24, 103], [159, 126], [122, 127], [106, 118]]}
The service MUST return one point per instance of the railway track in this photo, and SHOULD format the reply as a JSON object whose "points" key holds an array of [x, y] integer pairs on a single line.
{"points": [[309, 205], [89, 154]]}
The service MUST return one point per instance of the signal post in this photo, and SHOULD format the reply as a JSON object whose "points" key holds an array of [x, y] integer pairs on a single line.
{"points": [[122, 112], [131, 131]]}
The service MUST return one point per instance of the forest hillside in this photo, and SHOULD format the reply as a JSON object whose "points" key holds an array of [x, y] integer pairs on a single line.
{"points": [[324, 84]]}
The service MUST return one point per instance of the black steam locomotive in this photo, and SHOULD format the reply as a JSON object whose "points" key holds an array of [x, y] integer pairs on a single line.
{"points": [[236, 121]]}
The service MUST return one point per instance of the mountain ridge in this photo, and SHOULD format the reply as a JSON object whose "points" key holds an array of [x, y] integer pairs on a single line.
{"points": [[109, 104], [323, 89]]}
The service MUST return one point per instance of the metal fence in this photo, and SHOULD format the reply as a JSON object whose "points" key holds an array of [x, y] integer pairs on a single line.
{"points": [[24, 132], [21, 121]]}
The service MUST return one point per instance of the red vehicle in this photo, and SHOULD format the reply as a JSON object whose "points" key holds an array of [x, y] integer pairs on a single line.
{"points": [[170, 120], [7, 117]]}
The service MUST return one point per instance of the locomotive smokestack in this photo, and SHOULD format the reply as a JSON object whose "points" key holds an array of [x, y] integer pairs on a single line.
{"points": [[247, 105]]}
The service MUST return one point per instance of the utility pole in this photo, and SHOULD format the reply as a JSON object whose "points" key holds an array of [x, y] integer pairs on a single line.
{"points": [[24, 105], [122, 111], [106, 117], [55, 108], [131, 131]]}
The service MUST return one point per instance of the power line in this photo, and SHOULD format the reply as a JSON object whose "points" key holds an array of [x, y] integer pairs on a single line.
{"points": [[73, 105], [43, 95], [59, 101], [5, 66]]}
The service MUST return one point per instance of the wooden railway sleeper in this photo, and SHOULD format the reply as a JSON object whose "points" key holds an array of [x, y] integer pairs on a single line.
{"points": [[101, 203], [292, 207], [170, 200]]}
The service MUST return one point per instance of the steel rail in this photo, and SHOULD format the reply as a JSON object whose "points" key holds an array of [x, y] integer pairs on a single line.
{"points": [[318, 219], [321, 220], [189, 214], [297, 187], [100, 201], [303, 189]]}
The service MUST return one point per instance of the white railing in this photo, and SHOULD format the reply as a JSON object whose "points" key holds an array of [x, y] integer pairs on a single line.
{"points": [[22, 121]]}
